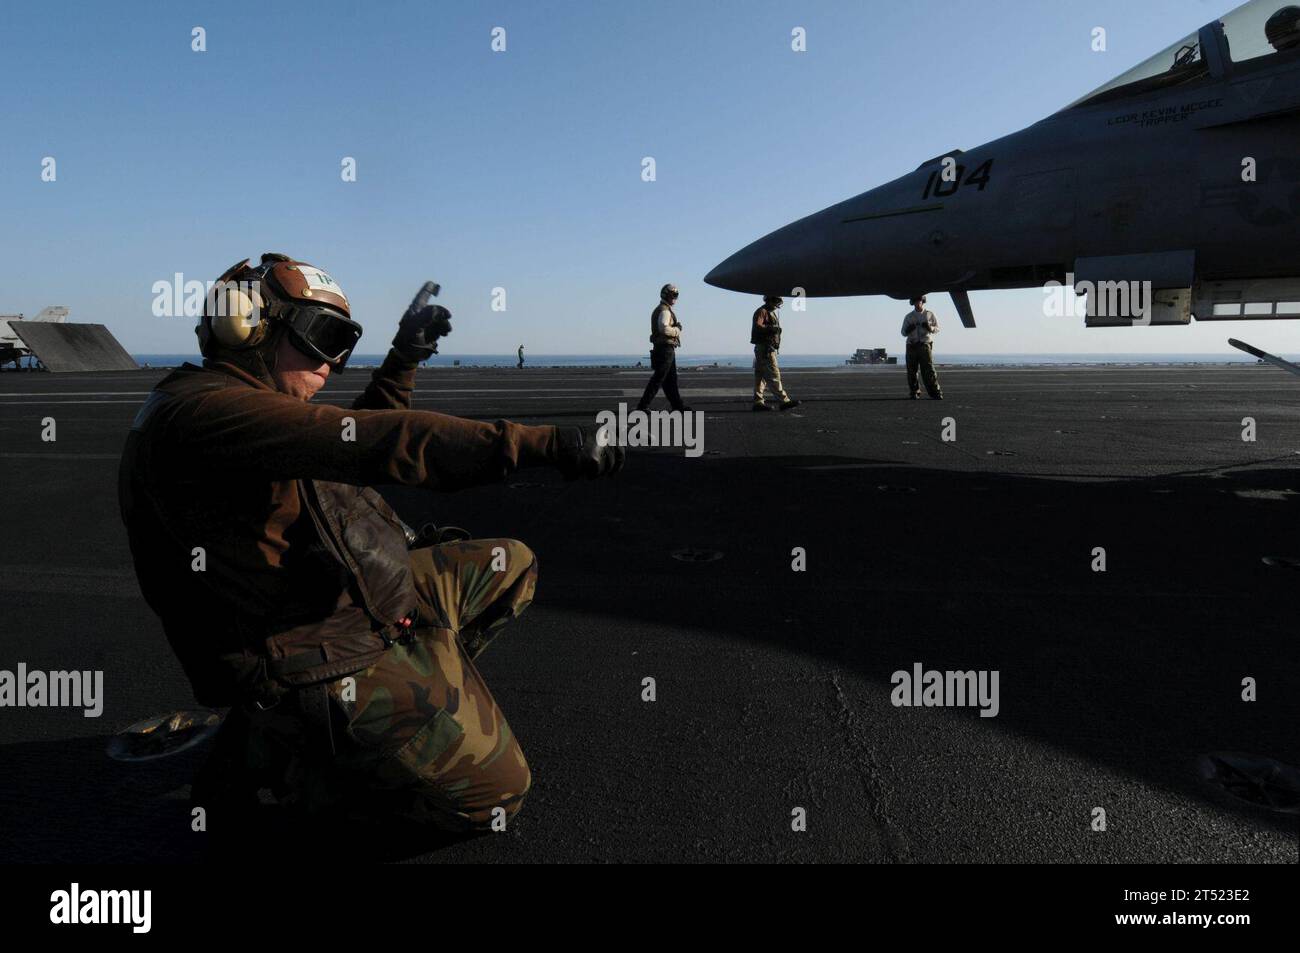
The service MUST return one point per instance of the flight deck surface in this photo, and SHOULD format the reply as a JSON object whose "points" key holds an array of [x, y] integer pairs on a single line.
{"points": [[772, 687]]}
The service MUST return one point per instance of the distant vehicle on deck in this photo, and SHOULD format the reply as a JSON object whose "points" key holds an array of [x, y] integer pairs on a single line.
{"points": [[870, 355]]}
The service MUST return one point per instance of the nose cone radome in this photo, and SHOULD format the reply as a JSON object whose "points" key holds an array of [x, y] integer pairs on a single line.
{"points": [[796, 256]]}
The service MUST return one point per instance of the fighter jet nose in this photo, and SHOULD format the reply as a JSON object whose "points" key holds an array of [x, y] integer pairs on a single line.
{"points": [[790, 257], [760, 267], [727, 274]]}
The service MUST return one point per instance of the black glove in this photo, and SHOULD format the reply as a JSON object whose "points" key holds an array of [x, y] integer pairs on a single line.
{"points": [[579, 455], [419, 330]]}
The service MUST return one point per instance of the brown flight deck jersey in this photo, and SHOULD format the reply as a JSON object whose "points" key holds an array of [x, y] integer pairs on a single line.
{"points": [[765, 328], [299, 558]]}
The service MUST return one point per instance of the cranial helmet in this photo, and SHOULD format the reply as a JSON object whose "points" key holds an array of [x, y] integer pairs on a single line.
{"points": [[248, 302], [1283, 28], [667, 292]]}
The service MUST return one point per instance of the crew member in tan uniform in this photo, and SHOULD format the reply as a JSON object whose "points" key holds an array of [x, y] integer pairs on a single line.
{"points": [[919, 327], [765, 335]]}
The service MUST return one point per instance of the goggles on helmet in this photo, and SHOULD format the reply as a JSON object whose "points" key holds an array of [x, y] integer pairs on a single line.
{"points": [[322, 333]]}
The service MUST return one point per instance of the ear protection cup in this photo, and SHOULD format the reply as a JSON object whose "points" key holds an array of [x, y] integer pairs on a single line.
{"points": [[232, 313], [236, 323]]}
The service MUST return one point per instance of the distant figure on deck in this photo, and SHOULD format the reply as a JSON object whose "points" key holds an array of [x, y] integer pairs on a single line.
{"points": [[919, 327], [521, 357], [666, 337]]}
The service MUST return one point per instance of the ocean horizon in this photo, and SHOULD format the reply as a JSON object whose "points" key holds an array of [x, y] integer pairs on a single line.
{"points": [[788, 361]]}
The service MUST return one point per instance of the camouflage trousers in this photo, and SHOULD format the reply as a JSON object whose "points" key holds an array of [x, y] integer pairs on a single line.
{"points": [[767, 373], [418, 735]]}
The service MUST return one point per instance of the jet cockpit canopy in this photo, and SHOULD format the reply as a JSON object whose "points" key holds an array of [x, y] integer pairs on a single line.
{"points": [[1260, 28]]}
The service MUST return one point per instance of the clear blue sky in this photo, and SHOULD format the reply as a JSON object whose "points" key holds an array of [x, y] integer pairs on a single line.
{"points": [[522, 169]]}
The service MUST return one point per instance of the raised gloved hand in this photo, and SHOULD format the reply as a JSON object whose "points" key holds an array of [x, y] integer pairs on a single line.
{"points": [[419, 330], [579, 455]]}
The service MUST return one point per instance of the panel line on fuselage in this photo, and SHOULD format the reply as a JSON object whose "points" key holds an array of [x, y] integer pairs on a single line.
{"points": [[901, 211]]}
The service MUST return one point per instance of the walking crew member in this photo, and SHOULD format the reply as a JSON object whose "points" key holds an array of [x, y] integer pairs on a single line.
{"points": [[765, 335], [666, 336]]}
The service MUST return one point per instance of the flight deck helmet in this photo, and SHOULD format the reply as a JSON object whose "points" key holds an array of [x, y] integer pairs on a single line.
{"points": [[1283, 28], [248, 303]]}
